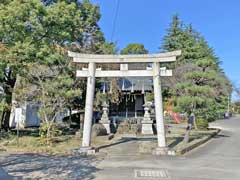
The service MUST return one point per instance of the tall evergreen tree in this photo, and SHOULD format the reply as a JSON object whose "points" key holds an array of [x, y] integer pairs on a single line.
{"points": [[198, 78]]}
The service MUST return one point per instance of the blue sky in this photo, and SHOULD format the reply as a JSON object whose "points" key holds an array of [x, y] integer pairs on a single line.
{"points": [[146, 21]]}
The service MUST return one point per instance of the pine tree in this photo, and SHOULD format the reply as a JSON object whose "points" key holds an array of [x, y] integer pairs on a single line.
{"points": [[196, 86]]}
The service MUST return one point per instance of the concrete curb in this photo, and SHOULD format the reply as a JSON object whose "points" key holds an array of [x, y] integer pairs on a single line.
{"points": [[190, 147]]}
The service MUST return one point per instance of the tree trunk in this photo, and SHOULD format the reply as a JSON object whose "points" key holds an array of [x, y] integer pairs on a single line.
{"points": [[1, 114], [1, 121], [8, 86], [191, 121], [48, 134], [187, 136], [194, 120], [195, 124], [5, 119], [70, 115]]}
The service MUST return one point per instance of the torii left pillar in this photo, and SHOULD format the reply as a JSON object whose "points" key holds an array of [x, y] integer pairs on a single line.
{"points": [[87, 128]]}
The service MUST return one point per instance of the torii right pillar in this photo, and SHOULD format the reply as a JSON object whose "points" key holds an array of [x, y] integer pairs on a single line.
{"points": [[162, 148]]}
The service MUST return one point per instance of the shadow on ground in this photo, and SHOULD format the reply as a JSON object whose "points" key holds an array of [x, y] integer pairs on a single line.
{"points": [[121, 141], [126, 140], [221, 136], [130, 139], [33, 166], [176, 142]]}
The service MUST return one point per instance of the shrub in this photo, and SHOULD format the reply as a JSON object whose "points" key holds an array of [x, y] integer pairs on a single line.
{"points": [[202, 123], [149, 97], [48, 131]]}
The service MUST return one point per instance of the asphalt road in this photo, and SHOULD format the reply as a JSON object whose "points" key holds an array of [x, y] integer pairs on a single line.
{"points": [[219, 159]]}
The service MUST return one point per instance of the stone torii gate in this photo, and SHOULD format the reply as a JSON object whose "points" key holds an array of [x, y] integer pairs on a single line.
{"points": [[155, 72]]}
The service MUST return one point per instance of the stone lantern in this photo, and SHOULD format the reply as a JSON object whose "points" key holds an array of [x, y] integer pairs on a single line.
{"points": [[105, 119], [147, 121]]}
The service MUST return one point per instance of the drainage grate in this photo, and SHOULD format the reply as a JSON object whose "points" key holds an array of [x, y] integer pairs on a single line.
{"points": [[151, 173]]}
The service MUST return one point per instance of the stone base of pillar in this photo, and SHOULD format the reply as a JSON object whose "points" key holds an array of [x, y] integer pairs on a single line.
{"points": [[85, 151], [147, 128], [106, 124], [161, 151]]}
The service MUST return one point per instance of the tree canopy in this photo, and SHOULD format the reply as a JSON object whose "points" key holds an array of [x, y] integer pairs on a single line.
{"points": [[134, 48], [36, 33], [199, 85]]}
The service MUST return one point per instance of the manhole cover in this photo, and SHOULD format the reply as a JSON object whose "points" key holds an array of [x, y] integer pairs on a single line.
{"points": [[152, 173]]}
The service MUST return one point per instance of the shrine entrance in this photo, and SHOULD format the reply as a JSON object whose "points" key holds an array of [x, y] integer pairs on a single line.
{"points": [[155, 72]]}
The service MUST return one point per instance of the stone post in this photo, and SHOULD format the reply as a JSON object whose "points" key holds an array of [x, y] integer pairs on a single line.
{"points": [[104, 119], [86, 141], [147, 122], [162, 147]]}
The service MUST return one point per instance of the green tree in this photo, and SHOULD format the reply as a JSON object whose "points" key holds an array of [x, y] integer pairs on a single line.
{"points": [[236, 103], [236, 107], [39, 33], [199, 86], [54, 88], [174, 37], [134, 49]]}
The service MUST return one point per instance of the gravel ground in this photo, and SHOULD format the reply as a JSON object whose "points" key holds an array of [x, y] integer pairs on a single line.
{"points": [[33, 166]]}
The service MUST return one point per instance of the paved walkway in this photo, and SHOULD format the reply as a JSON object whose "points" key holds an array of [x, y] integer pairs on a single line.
{"points": [[219, 159]]}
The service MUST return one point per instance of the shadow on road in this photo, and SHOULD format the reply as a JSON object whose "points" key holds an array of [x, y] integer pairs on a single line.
{"points": [[176, 142], [125, 140], [221, 136], [34, 166]]}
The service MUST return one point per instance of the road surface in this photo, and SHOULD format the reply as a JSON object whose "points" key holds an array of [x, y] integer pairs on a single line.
{"points": [[219, 159]]}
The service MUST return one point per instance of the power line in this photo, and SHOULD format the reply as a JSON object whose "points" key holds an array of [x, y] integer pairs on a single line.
{"points": [[115, 19]]}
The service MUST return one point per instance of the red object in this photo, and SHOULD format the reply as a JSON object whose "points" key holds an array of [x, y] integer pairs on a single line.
{"points": [[174, 115]]}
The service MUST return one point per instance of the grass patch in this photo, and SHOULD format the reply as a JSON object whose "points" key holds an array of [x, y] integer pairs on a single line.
{"points": [[34, 144], [61, 145]]}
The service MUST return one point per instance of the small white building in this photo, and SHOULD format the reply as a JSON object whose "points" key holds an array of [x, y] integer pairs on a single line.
{"points": [[29, 115]]}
